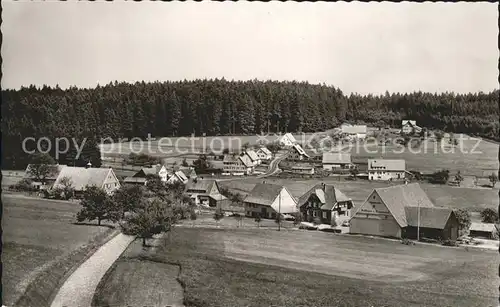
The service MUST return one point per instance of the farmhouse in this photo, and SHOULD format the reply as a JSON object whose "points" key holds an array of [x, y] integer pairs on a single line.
{"points": [[325, 202], [354, 131], [35, 173], [140, 177], [287, 140], [297, 153], [267, 200], [385, 169], [177, 176], [398, 211], [302, 170], [237, 165], [205, 193], [81, 178], [336, 160], [188, 171], [264, 154], [254, 158], [482, 230], [409, 126]]}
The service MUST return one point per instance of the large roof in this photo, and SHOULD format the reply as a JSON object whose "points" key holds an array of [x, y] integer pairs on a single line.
{"points": [[182, 177], [265, 194], [354, 129], [54, 171], [386, 164], [487, 227], [289, 136], [429, 217], [252, 154], [82, 177], [336, 158], [246, 160], [201, 185], [265, 150], [328, 194], [134, 180]]}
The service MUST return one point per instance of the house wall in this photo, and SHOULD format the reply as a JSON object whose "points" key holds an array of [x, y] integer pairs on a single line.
{"points": [[374, 218], [386, 175], [111, 183], [251, 210], [288, 204], [236, 167]]}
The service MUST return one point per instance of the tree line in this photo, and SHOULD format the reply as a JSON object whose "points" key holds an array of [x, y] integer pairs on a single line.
{"points": [[221, 107]]}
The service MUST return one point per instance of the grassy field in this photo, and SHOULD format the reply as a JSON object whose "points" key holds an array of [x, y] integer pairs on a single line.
{"points": [[299, 268], [40, 245], [473, 199]]}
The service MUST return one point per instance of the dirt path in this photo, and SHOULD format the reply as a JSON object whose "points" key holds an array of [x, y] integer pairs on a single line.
{"points": [[79, 289]]}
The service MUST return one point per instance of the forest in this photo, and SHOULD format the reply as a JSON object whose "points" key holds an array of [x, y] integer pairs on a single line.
{"points": [[221, 107]]}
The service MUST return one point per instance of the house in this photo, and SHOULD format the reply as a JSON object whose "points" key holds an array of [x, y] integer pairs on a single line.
{"points": [[81, 178], [35, 174], [213, 156], [326, 202], [205, 192], [177, 176], [302, 170], [385, 169], [287, 140], [267, 200], [398, 211], [354, 131], [336, 160], [297, 153], [482, 230], [188, 171], [254, 158], [264, 154], [140, 177], [135, 181], [409, 126], [237, 165]]}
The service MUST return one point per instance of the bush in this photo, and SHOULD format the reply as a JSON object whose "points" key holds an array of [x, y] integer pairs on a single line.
{"points": [[24, 185], [489, 215], [449, 243]]}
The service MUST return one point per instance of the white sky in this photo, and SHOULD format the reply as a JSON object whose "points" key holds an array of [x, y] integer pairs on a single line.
{"points": [[359, 47]]}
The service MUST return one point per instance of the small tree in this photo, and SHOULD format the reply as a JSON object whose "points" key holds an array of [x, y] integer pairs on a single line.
{"points": [[459, 178], [218, 215], [258, 219], [440, 177], [493, 179], [489, 215], [42, 167], [354, 172], [464, 220], [193, 216], [185, 163], [129, 197], [65, 190], [155, 185], [98, 205]]}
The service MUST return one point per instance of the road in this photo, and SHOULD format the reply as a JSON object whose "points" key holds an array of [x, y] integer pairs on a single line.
{"points": [[272, 169]]}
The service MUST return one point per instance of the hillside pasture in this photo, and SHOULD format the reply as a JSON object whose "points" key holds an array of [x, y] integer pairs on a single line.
{"points": [[300, 268], [40, 245]]}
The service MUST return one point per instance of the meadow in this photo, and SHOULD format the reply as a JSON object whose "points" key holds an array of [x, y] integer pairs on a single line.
{"points": [[234, 267], [41, 245]]}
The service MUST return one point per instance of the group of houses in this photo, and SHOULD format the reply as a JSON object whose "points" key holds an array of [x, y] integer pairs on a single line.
{"points": [[176, 174], [245, 162]]}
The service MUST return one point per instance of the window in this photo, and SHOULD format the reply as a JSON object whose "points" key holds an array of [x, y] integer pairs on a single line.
{"points": [[315, 214], [324, 214]]}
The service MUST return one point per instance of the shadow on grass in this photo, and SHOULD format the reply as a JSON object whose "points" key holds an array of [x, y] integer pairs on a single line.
{"points": [[94, 224]]}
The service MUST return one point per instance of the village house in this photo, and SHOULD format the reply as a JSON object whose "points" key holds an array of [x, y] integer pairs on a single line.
{"points": [[237, 165], [287, 140], [188, 171], [267, 200], [297, 153], [409, 127], [302, 170], [354, 131], [140, 178], [336, 160], [205, 193], [326, 202], [254, 158], [482, 230], [35, 174], [81, 178], [398, 211], [177, 177], [264, 154], [385, 169]]}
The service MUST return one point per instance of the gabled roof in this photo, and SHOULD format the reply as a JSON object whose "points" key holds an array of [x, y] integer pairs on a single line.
{"points": [[182, 177], [300, 150], [82, 177], [204, 185], [252, 154], [354, 129], [328, 194], [265, 150], [145, 171], [387, 164], [429, 217], [336, 158], [487, 227], [53, 174], [409, 122], [266, 194], [245, 159], [288, 136]]}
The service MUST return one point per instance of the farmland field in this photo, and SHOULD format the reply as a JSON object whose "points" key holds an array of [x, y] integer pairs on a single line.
{"points": [[301, 268], [38, 235], [442, 195]]}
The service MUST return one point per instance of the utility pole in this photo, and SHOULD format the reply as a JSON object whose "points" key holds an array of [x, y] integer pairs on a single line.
{"points": [[279, 212], [418, 222]]}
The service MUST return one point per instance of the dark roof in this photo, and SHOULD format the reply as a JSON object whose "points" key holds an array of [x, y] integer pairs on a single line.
{"points": [[201, 185], [429, 217], [263, 194], [328, 194], [134, 180]]}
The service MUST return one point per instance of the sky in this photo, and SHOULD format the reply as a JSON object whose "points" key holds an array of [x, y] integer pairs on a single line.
{"points": [[357, 47]]}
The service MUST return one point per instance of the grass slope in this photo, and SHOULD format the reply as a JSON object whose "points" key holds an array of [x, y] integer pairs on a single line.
{"points": [[299, 268]]}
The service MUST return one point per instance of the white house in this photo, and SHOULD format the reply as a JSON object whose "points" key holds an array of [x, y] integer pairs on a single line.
{"points": [[287, 140], [264, 154], [336, 160], [385, 169], [408, 126], [297, 153], [267, 200], [81, 178], [237, 165], [177, 176], [354, 131], [253, 157]]}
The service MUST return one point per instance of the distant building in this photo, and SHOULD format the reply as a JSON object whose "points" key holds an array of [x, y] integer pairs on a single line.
{"points": [[177, 177], [254, 158], [53, 171], [409, 126], [264, 154], [325, 202], [398, 211], [482, 230], [354, 131], [237, 165], [385, 169], [302, 170], [205, 192], [336, 160], [297, 153], [140, 177], [82, 177], [267, 200], [287, 140]]}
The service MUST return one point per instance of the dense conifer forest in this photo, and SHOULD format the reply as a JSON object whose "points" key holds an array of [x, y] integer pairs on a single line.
{"points": [[221, 107]]}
